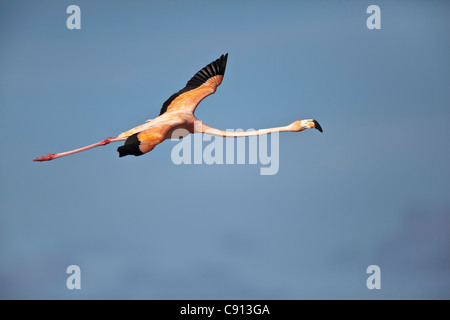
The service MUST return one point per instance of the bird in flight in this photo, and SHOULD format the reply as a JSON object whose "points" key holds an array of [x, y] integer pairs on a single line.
{"points": [[178, 113]]}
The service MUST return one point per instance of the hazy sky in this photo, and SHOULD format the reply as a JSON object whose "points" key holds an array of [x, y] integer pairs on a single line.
{"points": [[372, 189]]}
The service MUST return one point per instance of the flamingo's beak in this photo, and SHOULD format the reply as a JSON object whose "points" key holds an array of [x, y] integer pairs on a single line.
{"points": [[315, 124]]}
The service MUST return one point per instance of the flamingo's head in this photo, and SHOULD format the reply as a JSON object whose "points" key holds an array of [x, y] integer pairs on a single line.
{"points": [[301, 125]]}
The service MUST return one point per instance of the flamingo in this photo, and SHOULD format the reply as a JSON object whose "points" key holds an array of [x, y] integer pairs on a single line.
{"points": [[178, 113]]}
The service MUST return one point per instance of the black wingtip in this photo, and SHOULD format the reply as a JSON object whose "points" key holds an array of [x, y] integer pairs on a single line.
{"points": [[317, 126], [131, 147], [223, 62], [122, 152], [129, 150]]}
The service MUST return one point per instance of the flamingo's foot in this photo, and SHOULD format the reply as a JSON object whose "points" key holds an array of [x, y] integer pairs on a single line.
{"points": [[47, 157]]}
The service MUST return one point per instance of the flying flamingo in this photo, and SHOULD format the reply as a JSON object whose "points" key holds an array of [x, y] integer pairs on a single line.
{"points": [[178, 113]]}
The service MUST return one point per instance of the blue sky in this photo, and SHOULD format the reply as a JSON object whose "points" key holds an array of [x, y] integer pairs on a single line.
{"points": [[372, 189]]}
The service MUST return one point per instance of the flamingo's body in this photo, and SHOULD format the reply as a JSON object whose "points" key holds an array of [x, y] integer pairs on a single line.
{"points": [[178, 113]]}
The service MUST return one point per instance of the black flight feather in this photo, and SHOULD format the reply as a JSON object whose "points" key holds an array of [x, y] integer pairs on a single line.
{"points": [[131, 146]]}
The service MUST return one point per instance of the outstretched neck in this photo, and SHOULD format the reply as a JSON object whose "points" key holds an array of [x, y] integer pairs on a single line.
{"points": [[203, 128]]}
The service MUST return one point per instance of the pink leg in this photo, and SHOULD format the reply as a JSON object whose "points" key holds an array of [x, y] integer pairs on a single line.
{"points": [[52, 156]]}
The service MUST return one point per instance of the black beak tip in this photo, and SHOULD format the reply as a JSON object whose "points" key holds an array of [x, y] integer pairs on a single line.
{"points": [[317, 126]]}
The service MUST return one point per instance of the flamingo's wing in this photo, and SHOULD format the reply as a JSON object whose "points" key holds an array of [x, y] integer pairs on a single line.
{"points": [[201, 85]]}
